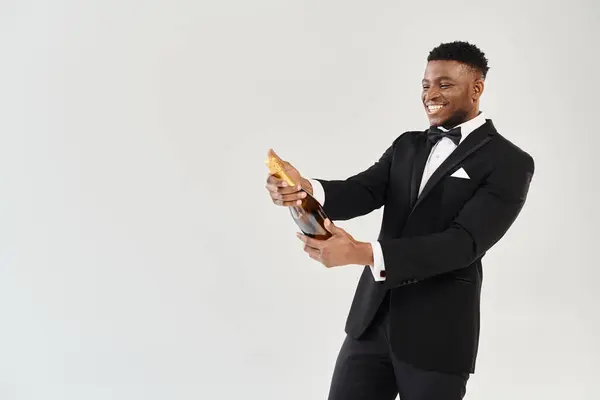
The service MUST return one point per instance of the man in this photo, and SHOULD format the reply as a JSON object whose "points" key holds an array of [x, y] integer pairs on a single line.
{"points": [[450, 193]]}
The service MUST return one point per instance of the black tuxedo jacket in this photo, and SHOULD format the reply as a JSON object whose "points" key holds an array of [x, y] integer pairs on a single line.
{"points": [[433, 245]]}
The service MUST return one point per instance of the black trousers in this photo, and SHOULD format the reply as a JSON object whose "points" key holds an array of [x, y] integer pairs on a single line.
{"points": [[366, 369]]}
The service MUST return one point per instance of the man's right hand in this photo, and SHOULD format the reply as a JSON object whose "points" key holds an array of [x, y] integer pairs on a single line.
{"points": [[283, 194]]}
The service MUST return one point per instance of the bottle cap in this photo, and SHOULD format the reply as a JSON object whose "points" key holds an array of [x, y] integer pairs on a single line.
{"points": [[277, 169]]}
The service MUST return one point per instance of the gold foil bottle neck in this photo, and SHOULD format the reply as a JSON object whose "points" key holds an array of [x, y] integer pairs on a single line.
{"points": [[277, 169]]}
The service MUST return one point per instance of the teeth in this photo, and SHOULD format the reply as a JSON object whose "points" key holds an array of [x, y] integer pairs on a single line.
{"points": [[434, 108]]}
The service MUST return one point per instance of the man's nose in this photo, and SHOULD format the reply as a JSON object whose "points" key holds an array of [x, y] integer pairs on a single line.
{"points": [[431, 94]]}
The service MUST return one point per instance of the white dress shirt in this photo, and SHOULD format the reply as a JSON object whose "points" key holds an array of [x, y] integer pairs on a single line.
{"points": [[440, 151]]}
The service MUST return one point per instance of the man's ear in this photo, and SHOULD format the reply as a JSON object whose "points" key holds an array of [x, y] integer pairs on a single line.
{"points": [[478, 87]]}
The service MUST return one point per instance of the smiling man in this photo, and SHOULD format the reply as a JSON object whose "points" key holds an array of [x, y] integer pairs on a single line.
{"points": [[449, 194]]}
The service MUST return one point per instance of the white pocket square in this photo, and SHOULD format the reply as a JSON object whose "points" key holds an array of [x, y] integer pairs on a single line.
{"points": [[461, 173]]}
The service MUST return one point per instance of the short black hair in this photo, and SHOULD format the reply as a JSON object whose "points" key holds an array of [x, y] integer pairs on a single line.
{"points": [[462, 52]]}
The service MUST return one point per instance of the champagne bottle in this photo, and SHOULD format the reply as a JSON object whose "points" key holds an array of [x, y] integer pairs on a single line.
{"points": [[309, 216]]}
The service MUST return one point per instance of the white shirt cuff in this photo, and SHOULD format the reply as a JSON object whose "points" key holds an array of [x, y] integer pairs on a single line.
{"points": [[378, 267], [318, 191]]}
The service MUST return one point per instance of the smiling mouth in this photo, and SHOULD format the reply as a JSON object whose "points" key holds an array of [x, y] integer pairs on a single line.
{"points": [[435, 108]]}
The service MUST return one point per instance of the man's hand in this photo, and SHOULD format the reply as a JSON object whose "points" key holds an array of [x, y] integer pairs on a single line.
{"points": [[283, 194], [340, 249]]}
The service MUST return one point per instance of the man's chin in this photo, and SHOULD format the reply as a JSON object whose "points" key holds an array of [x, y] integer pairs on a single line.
{"points": [[447, 121], [436, 121]]}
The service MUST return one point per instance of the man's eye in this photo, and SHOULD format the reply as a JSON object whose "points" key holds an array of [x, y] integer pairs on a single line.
{"points": [[444, 86]]}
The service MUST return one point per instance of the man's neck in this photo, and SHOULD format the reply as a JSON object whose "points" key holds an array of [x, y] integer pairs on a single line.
{"points": [[469, 117]]}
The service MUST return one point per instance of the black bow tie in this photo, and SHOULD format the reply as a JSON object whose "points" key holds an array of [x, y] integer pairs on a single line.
{"points": [[434, 134]]}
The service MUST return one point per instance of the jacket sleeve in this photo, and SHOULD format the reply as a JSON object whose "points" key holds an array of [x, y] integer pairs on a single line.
{"points": [[361, 193], [483, 220]]}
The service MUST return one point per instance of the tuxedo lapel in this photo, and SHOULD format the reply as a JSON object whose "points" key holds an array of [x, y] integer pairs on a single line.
{"points": [[474, 141], [422, 149]]}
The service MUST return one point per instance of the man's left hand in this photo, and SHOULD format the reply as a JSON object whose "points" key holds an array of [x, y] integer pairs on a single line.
{"points": [[340, 249]]}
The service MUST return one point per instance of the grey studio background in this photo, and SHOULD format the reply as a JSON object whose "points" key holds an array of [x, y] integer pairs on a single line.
{"points": [[140, 256]]}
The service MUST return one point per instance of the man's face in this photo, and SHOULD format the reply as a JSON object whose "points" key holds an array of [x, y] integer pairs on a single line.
{"points": [[451, 92]]}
